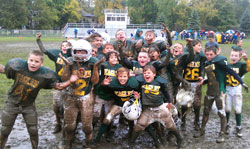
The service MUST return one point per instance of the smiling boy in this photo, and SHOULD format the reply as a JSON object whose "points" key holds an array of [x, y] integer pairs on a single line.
{"points": [[29, 77]]}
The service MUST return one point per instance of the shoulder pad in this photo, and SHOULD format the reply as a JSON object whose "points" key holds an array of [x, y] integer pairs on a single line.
{"points": [[93, 60], [16, 64], [132, 82], [47, 72], [219, 58], [114, 83], [161, 79], [140, 78]]}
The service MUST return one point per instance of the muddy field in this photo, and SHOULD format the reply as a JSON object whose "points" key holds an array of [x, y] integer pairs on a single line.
{"points": [[19, 138]]}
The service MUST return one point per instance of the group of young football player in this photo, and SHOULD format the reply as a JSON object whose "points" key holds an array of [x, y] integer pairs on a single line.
{"points": [[144, 82]]}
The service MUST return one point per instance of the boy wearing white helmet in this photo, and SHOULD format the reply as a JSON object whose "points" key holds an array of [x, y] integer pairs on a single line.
{"points": [[80, 97]]}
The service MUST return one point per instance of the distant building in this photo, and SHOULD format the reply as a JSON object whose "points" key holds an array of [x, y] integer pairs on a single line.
{"points": [[116, 18], [89, 18]]}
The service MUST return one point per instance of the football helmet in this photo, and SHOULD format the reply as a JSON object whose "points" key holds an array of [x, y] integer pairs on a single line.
{"points": [[132, 108], [81, 51], [185, 98]]}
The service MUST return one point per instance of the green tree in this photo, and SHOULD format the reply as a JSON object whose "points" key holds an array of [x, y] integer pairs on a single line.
{"points": [[42, 18], [100, 5], [245, 22], [239, 7], [225, 17], [194, 21], [72, 12], [13, 13], [142, 11], [205, 8]]}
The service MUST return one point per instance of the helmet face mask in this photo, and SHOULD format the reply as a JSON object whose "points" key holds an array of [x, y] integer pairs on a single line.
{"points": [[81, 51]]}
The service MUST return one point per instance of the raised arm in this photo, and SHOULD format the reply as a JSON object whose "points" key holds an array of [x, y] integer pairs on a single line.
{"points": [[244, 56], [95, 77], [63, 85], [165, 29], [39, 42], [124, 60]]}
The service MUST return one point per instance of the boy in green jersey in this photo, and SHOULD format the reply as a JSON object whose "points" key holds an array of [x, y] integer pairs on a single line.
{"points": [[216, 68], [53, 55], [194, 73], [29, 77], [153, 90], [104, 96], [79, 97], [233, 88], [123, 87]]}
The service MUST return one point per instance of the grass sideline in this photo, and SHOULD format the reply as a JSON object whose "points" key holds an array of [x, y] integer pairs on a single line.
{"points": [[30, 39], [44, 98]]}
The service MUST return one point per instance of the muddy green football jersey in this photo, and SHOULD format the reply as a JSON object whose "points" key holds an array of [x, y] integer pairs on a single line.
{"points": [[83, 85], [122, 92], [106, 71], [195, 68], [240, 68], [53, 55], [27, 84], [151, 93], [218, 74]]}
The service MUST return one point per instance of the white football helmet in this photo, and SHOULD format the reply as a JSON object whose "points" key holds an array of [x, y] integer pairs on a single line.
{"points": [[185, 98], [132, 109], [78, 49]]}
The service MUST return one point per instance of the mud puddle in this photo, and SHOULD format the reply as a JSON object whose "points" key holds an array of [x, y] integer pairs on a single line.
{"points": [[19, 138]]}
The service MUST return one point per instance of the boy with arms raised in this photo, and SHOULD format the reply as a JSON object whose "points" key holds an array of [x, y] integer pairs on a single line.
{"points": [[53, 55], [29, 77], [233, 88], [79, 95]]}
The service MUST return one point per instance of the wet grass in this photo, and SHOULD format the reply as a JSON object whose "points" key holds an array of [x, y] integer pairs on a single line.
{"points": [[44, 99]]}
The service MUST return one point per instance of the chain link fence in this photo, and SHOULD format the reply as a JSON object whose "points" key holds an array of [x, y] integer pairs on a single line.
{"points": [[30, 33]]}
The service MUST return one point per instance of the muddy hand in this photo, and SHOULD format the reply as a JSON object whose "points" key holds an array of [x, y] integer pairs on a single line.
{"points": [[107, 80], [245, 87], [120, 44], [136, 94], [138, 44], [243, 54], [201, 80], [64, 59], [165, 28], [99, 62], [189, 40], [73, 78], [38, 35]]}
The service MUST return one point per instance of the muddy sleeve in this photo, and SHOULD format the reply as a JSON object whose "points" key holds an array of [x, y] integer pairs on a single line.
{"points": [[170, 42], [40, 45], [124, 60], [233, 73], [223, 65], [165, 92]]}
